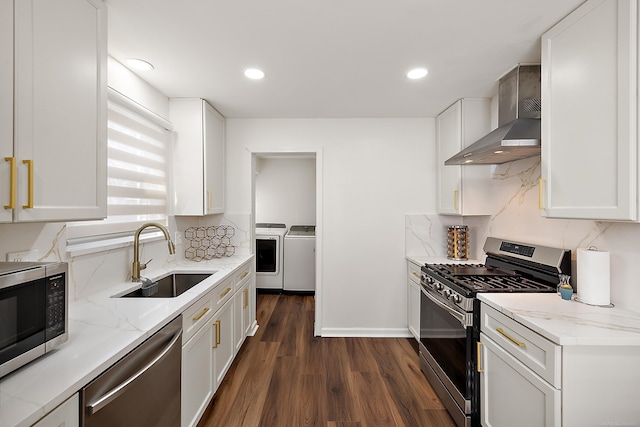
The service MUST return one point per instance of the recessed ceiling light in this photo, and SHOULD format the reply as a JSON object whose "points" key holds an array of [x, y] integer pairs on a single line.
{"points": [[417, 73], [139, 64], [254, 73]]}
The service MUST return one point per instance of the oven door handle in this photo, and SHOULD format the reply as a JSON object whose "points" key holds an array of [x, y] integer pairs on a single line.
{"points": [[459, 316]]}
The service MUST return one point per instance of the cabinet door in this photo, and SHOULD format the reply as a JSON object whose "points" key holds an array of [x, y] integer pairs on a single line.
{"points": [[589, 149], [223, 344], [6, 106], [413, 308], [214, 160], [502, 377], [60, 109], [197, 375], [65, 415], [198, 157], [241, 316], [462, 190], [413, 299]]}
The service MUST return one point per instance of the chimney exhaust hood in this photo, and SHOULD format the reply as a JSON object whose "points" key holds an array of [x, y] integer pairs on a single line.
{"points": [[518, 132]]}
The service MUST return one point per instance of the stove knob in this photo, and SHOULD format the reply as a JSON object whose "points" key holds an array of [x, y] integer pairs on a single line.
{"points": [[447, 293], [438, 286], [457, 299]]}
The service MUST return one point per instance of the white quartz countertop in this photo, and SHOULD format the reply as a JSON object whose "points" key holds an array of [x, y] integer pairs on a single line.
{"points": [[569, 322], [102, 329]]}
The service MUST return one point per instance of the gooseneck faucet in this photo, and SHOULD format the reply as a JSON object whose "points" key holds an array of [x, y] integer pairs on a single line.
{"points": [[137, 265]]}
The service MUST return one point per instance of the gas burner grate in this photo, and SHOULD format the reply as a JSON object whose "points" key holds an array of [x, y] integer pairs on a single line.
{"points": [[482, 278]]}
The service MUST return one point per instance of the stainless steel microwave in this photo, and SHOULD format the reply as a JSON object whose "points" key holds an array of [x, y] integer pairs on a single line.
{"points": [[33, 311]]}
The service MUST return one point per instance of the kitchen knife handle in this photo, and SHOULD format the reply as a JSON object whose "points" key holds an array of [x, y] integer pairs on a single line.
{"points": [[29, 204], [12, 182]]}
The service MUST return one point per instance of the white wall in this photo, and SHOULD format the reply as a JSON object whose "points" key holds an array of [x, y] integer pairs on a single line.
{"points": [[374, 172], [285, 190]]}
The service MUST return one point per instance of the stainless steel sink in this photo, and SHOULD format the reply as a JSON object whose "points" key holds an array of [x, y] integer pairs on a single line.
{"points": [[172, 285]]}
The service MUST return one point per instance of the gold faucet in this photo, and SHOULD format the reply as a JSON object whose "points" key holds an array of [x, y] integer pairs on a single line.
{"points": [[137, 265]]}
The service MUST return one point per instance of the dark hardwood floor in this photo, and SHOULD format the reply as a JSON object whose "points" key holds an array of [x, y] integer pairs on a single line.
{"points": [[285, 377]]}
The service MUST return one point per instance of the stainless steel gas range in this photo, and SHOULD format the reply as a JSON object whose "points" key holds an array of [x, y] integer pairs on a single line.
{"points": [[450, 314]]}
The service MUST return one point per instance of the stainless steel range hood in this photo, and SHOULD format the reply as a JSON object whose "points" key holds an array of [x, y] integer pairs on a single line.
{"points": [[518, 132]]}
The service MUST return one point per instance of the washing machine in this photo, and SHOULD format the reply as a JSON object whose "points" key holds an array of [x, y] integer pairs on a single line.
{"points": [[300, 259], [270, 255]]}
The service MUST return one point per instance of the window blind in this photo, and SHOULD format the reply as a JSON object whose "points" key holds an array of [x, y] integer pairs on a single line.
{"points": [[137, 173]]}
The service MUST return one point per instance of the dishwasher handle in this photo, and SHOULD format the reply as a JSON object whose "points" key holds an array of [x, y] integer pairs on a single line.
{"points": [[121, 388]]}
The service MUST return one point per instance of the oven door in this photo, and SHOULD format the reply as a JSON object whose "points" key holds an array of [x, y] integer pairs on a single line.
{"points": [[22, 322], [447, 353]]}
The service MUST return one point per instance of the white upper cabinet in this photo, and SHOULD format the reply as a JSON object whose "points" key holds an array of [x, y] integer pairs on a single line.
{"points": [[6, 106], [589, 113], [462, 190], [198, 157], [53, 122]]}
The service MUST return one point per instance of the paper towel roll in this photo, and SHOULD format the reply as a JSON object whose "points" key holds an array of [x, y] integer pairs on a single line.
{"points": [[593, 279]]}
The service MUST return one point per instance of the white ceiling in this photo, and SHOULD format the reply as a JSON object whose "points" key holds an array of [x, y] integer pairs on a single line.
{"points": [[330, 58]]}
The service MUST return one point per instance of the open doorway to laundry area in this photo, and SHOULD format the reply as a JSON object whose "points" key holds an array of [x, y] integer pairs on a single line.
{"points": [[286, 207]]}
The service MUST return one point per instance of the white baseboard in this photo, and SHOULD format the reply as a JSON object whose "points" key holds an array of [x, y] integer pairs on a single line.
{"points": [[367, 332]]}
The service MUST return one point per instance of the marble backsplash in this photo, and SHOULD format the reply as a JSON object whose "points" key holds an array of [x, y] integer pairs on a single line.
{"points": [[516, 216], [93, 272]]}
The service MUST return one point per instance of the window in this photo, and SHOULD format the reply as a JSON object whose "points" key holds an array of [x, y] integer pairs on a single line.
{"points": [[137, 175]]}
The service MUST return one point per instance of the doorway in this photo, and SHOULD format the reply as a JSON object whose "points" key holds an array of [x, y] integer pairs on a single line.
{"points": [[286, 188]]}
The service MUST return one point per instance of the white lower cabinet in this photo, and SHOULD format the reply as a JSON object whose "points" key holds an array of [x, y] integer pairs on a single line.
{"points": [[413, 299], [223, 345], [527, 380], [197, 375], [241, 316], [214, 329], [65, 415], [502, 379]]}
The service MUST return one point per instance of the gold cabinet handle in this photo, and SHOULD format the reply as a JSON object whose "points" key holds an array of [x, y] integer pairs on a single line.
{"points": [[217, 325], [510, 338], [12, 182], [415, 274], [455, 200], [244, 275], [246, 298], [478, 357], [29, 204], [202, 313], [540, 193], [226, 291], [209, 200]]}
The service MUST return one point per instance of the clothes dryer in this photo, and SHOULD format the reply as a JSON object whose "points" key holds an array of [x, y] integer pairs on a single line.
{"points": [[300, 259], [270, 255]]}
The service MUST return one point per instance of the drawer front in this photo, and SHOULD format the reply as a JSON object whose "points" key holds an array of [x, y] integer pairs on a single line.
{"points": [[413, 271], [243, 275], [196, 315], [223, 293], [534, 351]]}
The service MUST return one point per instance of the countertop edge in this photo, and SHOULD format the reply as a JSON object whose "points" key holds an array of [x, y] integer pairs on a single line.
{"points": [[569, 323]]}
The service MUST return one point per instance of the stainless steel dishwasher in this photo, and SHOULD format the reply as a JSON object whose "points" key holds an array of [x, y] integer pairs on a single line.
{"points": [[142, 388]]}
